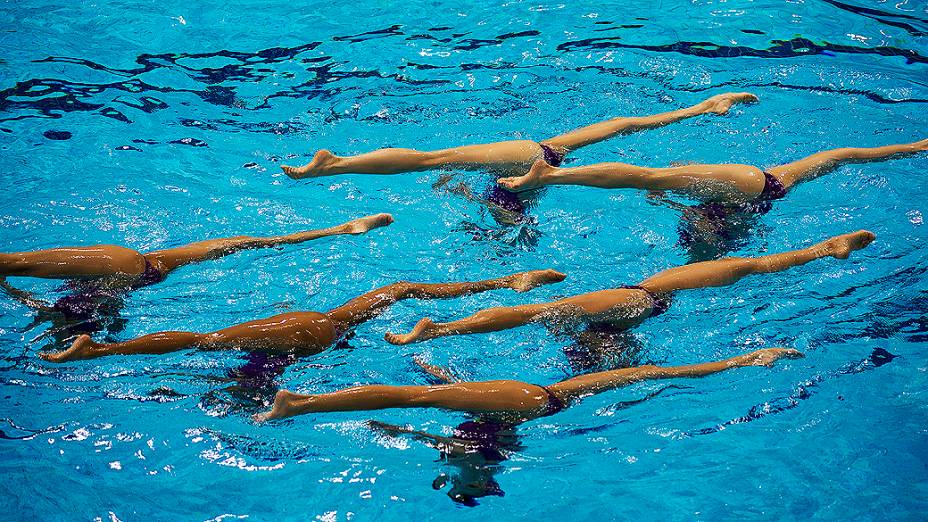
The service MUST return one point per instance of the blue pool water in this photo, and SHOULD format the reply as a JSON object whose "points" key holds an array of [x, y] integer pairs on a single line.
{"points": [[157, 124]]}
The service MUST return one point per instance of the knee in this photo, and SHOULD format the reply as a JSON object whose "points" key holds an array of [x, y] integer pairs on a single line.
{"points": [[391, 395], [743, 265], [488, 313], [835, 155], [209, 340], [399, 289], [434, 157]]}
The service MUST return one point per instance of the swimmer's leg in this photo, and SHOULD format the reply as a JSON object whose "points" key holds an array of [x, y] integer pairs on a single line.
{"points": [[162, 342], [824, 162], [171, 258], [724, 272], [363, 308], [477, 397], [527, 400], [487, 320], [396, 161], [73, 262], [304, 331], [604, 130], [711, 182], [577, 387]]}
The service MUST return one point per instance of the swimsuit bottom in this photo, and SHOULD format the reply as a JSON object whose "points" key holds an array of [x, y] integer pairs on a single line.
{"points": [[660, 303], [89, 301], [716, 214], [552, 157]]}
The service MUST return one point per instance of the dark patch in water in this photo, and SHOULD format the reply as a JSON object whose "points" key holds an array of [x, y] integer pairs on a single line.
{"points": [[393, 30], [779, 49], [110, 112], [878, 357], [128, 147], [193, 142], [880, 16], [57, 135]]}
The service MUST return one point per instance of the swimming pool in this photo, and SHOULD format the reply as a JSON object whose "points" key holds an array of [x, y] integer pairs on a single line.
{"points": [[155, 125]]}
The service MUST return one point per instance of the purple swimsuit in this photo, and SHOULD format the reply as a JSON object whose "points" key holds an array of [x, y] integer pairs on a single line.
{"points": [[660, 303], [552, 157], [716, 213], [510, 200], [88, 301]]}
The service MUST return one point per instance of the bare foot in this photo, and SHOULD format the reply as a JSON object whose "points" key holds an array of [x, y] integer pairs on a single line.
{"points": [[532, 179], [283, 407], [368, 223], [921, 145], [720, 104], [82, 348], [319, 166], [423, 331], [840, 247], [525, 281], [768, 356]]}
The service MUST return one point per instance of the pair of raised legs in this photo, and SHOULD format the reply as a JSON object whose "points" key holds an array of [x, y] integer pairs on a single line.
{"points": [[509, 156], [623, 308], [730, 183], [302, 333], [101, 261], [311, 332], [514, 401]]}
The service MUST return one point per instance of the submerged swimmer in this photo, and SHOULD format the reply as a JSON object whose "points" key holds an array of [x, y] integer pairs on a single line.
{"points": [[516, 155], [303, 333], [507, 401], [626, 307], [722, 188], [731, 196], [101, 275]]}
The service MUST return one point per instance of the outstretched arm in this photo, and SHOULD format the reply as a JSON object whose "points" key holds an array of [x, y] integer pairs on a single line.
{"points": [[169, 259], [441, 373], [23, 296], [594, 383], [446, 444]]}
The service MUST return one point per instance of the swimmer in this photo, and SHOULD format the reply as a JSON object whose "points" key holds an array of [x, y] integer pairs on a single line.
{"points": [[626, 307], [507, 156], [101, 275], [302, 333], [512, 401], [730, 186]]}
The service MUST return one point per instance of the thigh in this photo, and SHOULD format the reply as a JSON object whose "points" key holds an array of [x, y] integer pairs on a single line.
{"points": [[291, 332], [171, 258], [499, 154], [76, 262], [713, 182], [621, 308], [489, 396]]}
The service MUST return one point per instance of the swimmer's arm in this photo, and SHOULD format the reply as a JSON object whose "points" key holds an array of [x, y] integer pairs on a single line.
{"points": [[441, 373], [23, 296], [437, 442]]}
